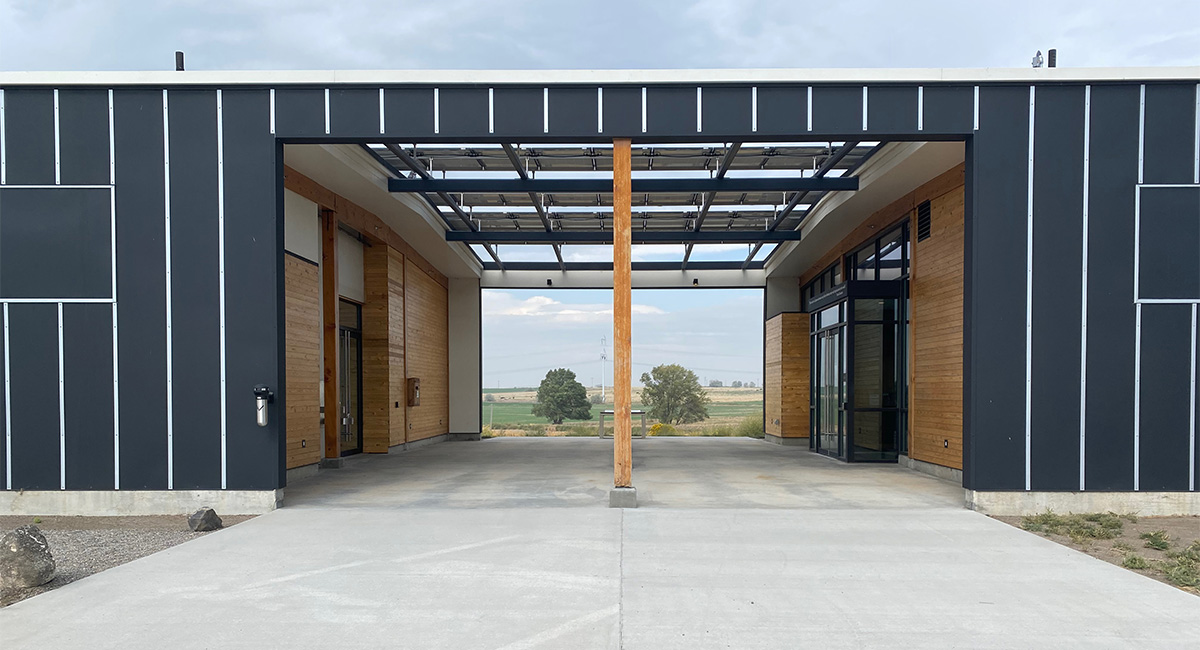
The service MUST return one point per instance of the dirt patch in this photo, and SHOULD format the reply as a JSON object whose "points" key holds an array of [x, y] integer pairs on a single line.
{"points": [[1156, 547], [83, 546]]}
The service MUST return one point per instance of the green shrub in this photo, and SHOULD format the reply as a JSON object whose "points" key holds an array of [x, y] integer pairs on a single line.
{"points": [[751, 427], [1096, 525], [1135, 561], [1157, 540]]}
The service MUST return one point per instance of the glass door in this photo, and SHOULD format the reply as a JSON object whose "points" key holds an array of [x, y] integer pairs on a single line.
{"points": [[878, 378], [350, 377], [829, 384]]}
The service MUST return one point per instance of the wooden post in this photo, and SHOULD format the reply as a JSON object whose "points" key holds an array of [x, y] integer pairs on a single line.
{"points": [[622, 331], [329, 327]]}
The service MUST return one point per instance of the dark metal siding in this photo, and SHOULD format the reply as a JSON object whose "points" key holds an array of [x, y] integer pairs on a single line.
{"points": [[1057, 293], [519, 111], [463, 111], [354, 112], [29, 135], [408, 111], [253, 249], [33, 369], [998, 242], [195, 286], [83, 136], [1165, 396], [55, 243], [574, 111], [88, 396], [141, 288], [298, 111], [892, 109], [1170, 133], [1108, 456]]}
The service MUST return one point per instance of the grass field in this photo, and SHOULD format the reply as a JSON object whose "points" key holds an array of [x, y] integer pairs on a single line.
{"points": [[733, 411]]}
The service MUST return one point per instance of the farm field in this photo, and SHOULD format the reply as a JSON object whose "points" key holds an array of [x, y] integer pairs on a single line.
{"points": [[733, 411]]}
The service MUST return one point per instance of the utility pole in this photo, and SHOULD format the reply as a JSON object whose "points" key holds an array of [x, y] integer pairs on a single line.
{"points": [[603, 358]]}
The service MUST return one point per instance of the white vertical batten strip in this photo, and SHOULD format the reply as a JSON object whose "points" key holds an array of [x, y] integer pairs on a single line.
{"points": [[1029, 303], [3, 152], [643, 109], [754, 109], [1192, 411], [272, 111], [7, 409], [382, 122], [62, 408], [545, 110], [599, 110], [975, 111], [112, 179], [920, 108], [1196, 154], [864, 108], [221, 277], [1137, 245], [112, 153], [437, 111], [1142, 134], [699, 109], [1137, 395], [167, 252], [57, 144], [491, 110], [326, 111], [809, 109], [1083, 315]]}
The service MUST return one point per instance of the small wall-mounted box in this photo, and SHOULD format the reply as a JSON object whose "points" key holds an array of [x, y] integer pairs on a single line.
{"points": [[414, 391]]}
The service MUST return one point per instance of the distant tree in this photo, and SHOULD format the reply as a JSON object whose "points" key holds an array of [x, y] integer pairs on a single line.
{"points": [[672, 394], [716, 383], [595, 399], [750, 385], [736, 384], [561, 397], [489, 398]]}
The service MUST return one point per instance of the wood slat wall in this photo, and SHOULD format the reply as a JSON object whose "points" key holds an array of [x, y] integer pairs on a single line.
{"points": [[427, 346], [405, 332], [302, 332], [936, 380], [786, 385], [935, 333], [397, 427], [376, 354]]}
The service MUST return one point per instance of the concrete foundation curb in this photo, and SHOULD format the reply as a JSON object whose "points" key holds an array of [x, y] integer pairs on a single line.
{"points": [[109, 503], [938, 471], [1145, 504], [787, 442]]}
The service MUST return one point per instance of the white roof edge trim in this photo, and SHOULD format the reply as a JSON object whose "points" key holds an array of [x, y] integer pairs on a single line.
{"points": [[554, 77]]}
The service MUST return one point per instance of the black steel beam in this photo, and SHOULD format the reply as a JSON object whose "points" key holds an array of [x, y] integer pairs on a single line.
{"points": [[799, 196], [417, 167], [605, 237], [604, 186], [537, 202], [726, 162]]}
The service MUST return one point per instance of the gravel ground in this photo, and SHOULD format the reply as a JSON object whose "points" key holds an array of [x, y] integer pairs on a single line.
{"points": [[85, 545]]}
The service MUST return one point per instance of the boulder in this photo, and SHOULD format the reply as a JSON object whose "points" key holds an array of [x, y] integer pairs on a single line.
{"points": [[203, 520], [25, 558]]}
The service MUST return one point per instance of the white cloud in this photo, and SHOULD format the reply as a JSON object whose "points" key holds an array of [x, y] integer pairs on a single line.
{"points": [[547, 310]]}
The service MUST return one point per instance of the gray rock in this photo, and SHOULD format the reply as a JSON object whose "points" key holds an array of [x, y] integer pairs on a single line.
{"points": [[25, 559], [203, 520]]}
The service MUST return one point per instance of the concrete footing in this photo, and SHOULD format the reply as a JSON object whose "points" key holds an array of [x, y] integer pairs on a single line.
{"points": [[1145, 504], [945, 473], [303, 472], [332, 463], [786, 441], [622, 497], [109, 503]]}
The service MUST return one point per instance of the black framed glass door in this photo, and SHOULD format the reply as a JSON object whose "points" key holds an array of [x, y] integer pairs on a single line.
{"points": [[859, 372]]}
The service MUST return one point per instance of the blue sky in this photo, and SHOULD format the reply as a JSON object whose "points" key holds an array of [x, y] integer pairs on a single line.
{"points": [[715, 332]]}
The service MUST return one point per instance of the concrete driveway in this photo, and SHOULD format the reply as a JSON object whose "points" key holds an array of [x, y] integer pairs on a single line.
{"points": [[507, 544]]}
